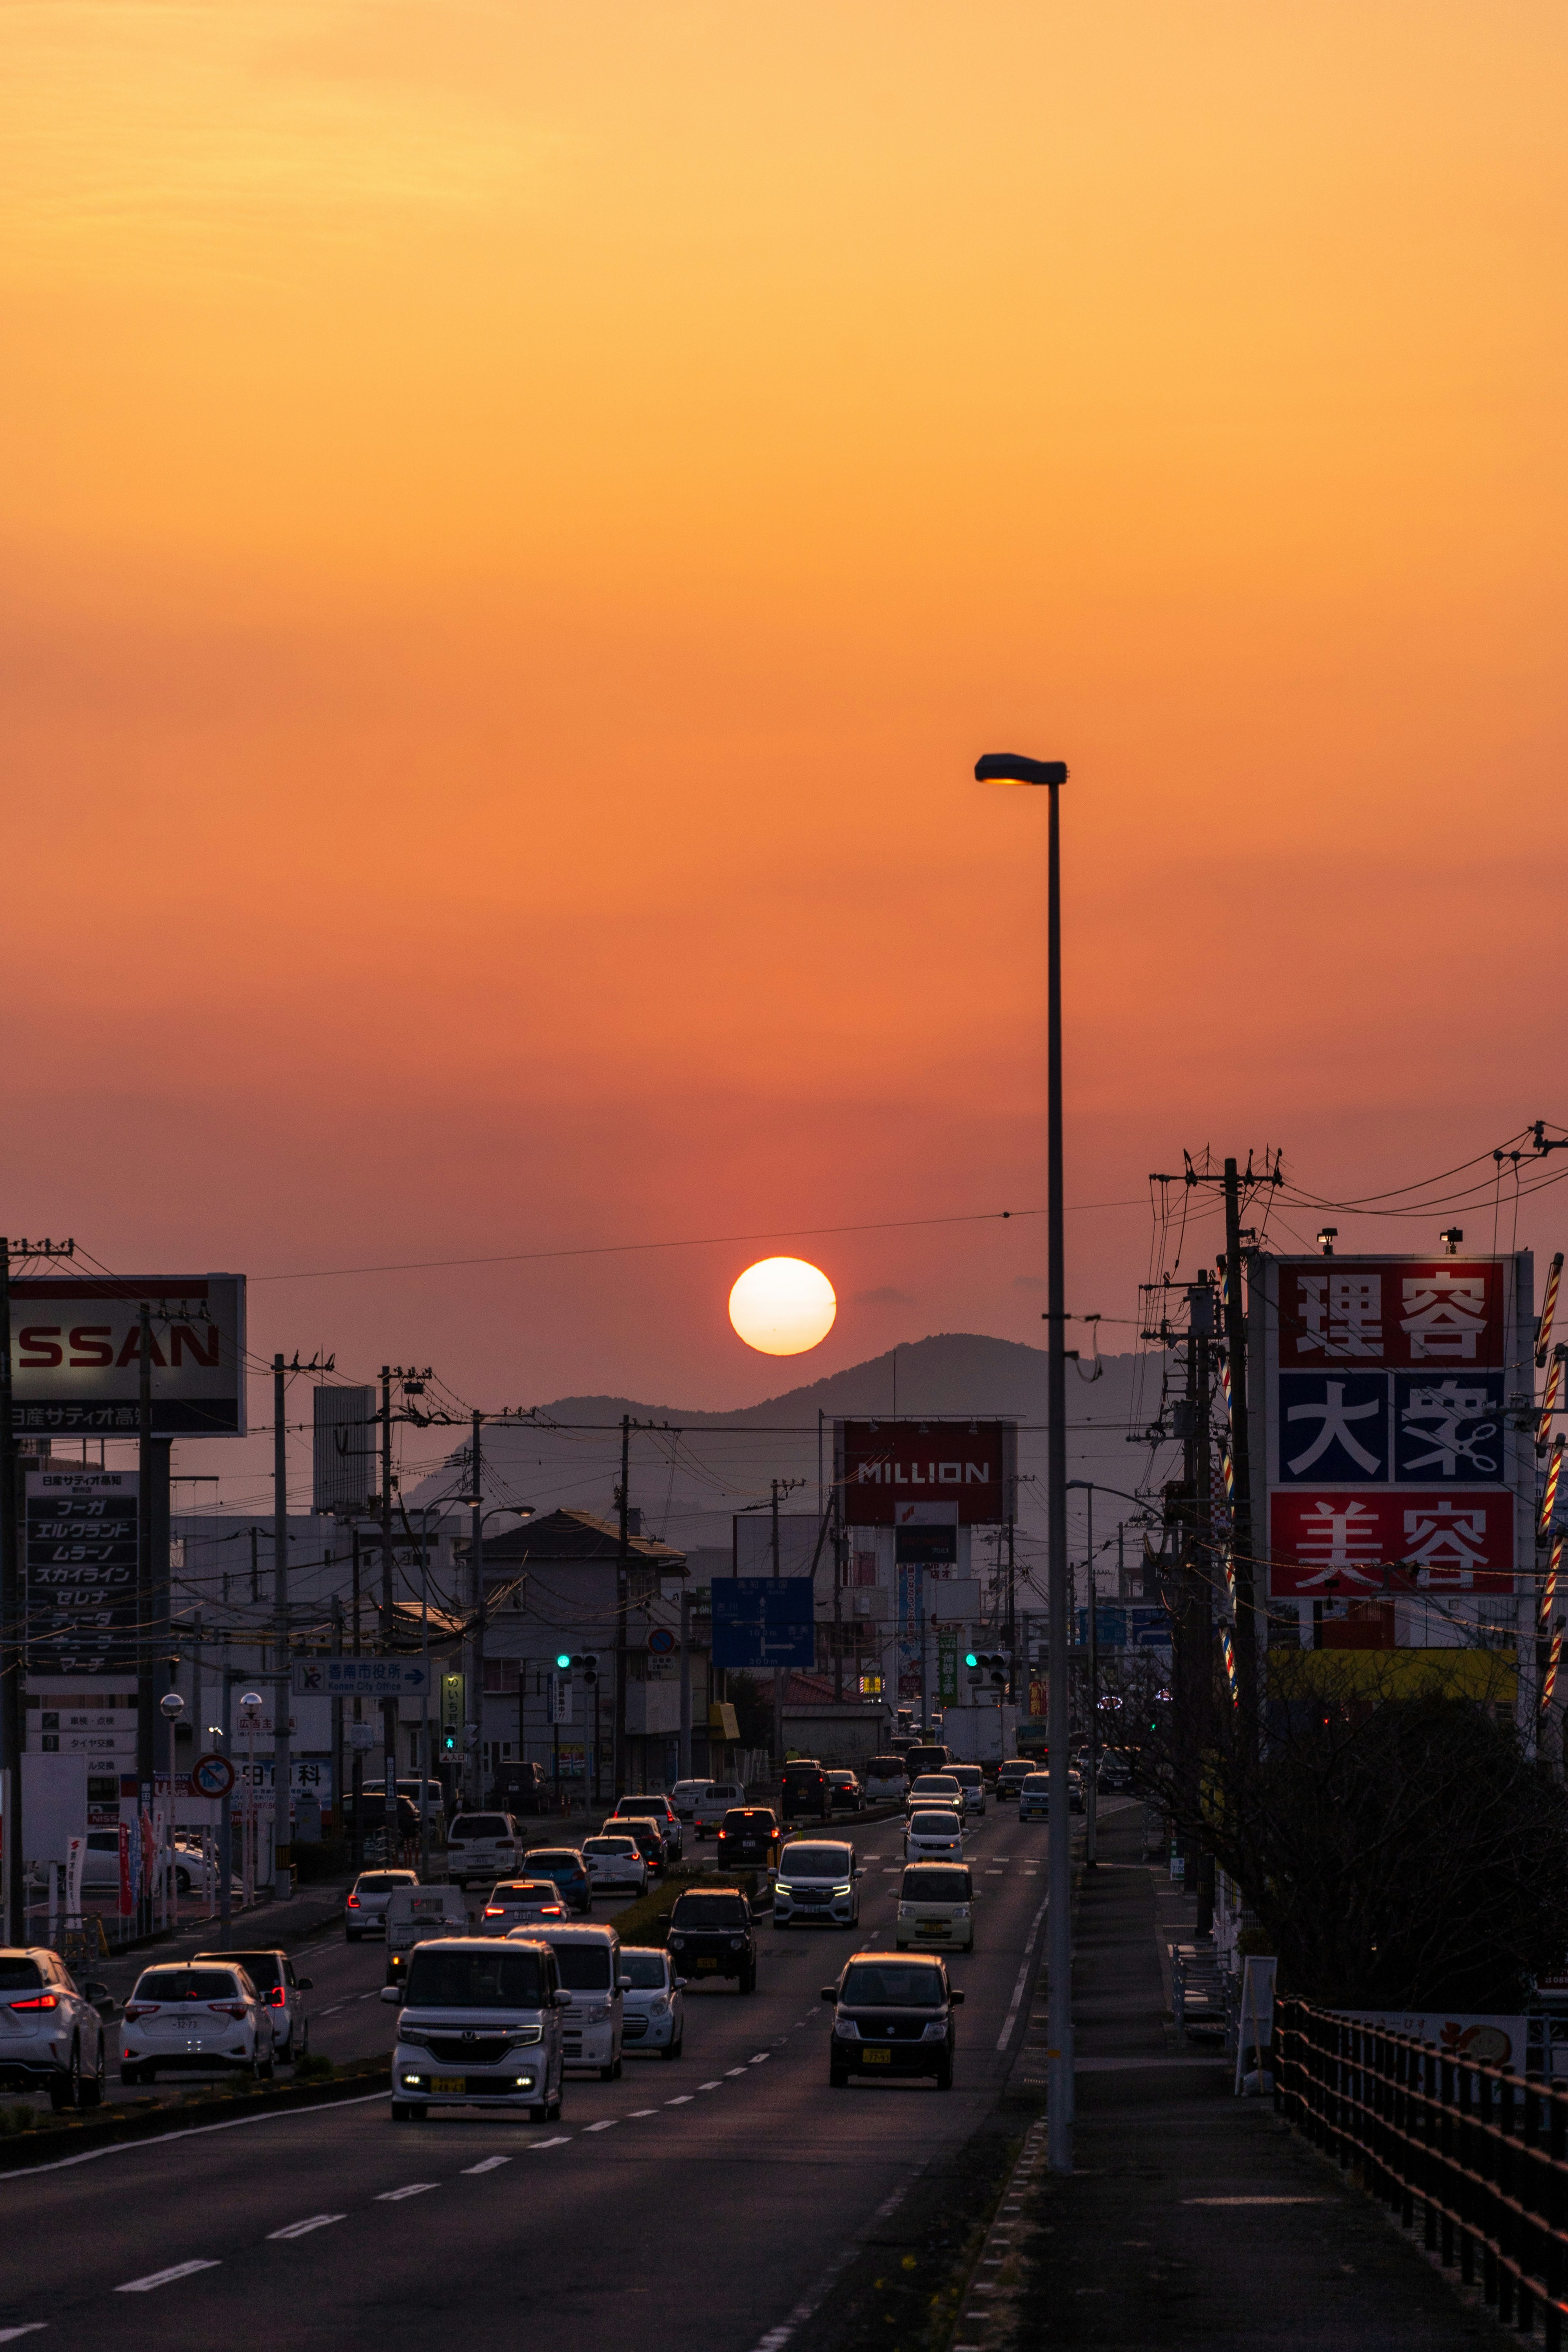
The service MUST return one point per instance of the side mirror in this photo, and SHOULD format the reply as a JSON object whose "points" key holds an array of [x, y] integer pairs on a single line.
{"points": [[678, 1984], [830, 1992], [623, 1984], [955, 1999], [563, 2001], [94, 1990], [303, 1984], [392, 1992]]}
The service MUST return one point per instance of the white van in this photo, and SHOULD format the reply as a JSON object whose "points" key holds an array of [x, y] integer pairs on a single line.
{"points": [[589, 1959], [480, 2026], [414, 1914], [716, 1799]]}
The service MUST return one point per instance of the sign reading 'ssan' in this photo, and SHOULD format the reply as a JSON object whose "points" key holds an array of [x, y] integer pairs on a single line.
{"points": [[75, 1354], [971, 1466]]}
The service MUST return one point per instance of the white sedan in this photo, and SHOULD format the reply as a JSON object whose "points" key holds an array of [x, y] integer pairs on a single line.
{"points": [[653, 2016], [615, 1861], [933, 1835]]}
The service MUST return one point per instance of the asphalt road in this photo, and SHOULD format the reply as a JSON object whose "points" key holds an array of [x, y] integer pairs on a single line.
{"points": [[716, 2193]]}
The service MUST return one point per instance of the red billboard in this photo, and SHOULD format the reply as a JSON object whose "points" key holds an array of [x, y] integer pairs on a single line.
{"points": [[971, 1465], [1371, 1540], [1421, 1313]]}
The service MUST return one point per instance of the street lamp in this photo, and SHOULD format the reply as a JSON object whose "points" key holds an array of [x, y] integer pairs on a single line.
{"points": [[1011, 768], [171, 1706]]}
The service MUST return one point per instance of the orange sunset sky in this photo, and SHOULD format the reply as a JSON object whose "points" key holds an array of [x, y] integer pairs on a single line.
{"points": [[520, 517]]}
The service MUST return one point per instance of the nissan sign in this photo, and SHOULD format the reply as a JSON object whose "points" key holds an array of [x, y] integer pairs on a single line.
{"points": [[75, 1354]]}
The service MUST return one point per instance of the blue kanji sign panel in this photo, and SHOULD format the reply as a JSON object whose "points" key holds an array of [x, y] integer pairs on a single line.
{"points": [[1333, 1428], [761, 1622], [1447, 1426]]}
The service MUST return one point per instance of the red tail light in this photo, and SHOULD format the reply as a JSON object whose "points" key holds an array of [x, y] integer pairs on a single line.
{"points": [[352, 1904], [42, 2000], [495, 1910], [277, 1999], [141, 2009], [552, 1911], [223, 2008]]}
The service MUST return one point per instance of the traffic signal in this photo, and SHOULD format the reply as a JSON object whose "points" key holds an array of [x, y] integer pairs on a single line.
{"points": [[971, 1658], [993, 1664], [587, 1665], [563, 1662], [449, 1741]]}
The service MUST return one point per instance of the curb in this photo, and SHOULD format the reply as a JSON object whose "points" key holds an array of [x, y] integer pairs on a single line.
{"points": [[48, 2145]]}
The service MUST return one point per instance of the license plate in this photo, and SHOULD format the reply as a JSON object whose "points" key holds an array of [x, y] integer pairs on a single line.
{"points": [[876, 2057], [447, 2082], [932, 1926], [702, 1966]]}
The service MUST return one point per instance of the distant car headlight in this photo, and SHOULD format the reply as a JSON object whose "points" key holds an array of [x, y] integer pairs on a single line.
{"points": [[847, 2028], [936, 2030], [779, 1888], [845, 1889], [676, 1941]]}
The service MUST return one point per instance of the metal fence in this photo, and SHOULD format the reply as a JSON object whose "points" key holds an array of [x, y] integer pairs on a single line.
{"points": [[1479, 2154]]}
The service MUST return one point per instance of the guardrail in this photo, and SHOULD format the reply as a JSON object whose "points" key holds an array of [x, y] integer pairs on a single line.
{"points": [[1482, 2153]]}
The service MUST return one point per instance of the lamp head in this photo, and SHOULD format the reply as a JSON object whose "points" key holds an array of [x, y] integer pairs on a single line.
{"points": [[171, 1706], [1013, 768]]}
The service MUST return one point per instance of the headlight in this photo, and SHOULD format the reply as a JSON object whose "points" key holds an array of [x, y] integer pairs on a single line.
{"points": [[737, 1943], [847, 2027], [676, 1941], [412, 2033], [782, 1889], [523, 2033], [961, 1911], [844, 1890], [658, 2006], [936, 2030]]}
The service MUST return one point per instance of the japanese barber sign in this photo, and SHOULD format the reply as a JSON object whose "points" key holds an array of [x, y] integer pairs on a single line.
{"points": [[1392, 1465]]}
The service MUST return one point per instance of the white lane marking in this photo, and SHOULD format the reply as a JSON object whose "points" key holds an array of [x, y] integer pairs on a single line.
{"points": [[31, 2327], [490, 2164], [711, 2086], [1022, 1977], [815, 2296], [332, 2012], [729, 2070], [164, 2278], [373, 1994], [608, 2124], [761, 2059], [684, 2100], [234, 2123], [636, 2112], [410, 2188], [561, 2142], [303, 2228]]}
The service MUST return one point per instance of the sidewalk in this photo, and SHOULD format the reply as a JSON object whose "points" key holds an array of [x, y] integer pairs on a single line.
{"points": [[1192, 2216]]}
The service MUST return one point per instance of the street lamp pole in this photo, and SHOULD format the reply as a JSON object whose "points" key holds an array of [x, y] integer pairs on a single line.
{"points": [[1008, 768]]}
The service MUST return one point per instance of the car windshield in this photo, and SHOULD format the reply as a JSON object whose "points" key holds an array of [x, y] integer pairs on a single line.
{"points": [[550, 1864], [495, 1979], [19, 1976], [1036, 1781], [382, 1881], [928, 1885], [815, 1861], [645, 1969], [935, 1784], [969, 1776], [710, 1911], [610, 1846], [584, 1968], [888, 1985], [933, 1825], [265, 1970], [473, 1825], [187, 1984]]}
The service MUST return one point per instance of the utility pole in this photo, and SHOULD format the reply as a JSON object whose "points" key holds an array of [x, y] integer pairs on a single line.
{"points": [[473, 1701], [779, 1672], [1241, 1544], [1090, 1854], [388, 1706], [12, 1643], [684, 1751], [356, 1822], [146, 1705], [282, 1761], [623, 1557], [1012, 1619]]}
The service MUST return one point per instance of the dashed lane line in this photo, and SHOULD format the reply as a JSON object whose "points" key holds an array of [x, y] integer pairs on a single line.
{"points": [[1013, 2005], [607, 2123], [409, 2189], [711, 2086], [29, 2327], [638, 2112], [303, 2228], [536, 2145], [490, 2164], [684, 2100], [164, 2278]]}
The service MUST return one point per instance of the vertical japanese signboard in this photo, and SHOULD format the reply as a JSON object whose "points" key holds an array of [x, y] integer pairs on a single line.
{"points": [[79, 1540], [1392, 1466]]}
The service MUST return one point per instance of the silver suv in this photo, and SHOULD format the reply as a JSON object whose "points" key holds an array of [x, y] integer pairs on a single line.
{"points": [[51, 2035], [480, 2026]]}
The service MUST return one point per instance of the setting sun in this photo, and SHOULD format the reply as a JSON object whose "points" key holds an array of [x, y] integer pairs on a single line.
{"points": [[782, 1306]]}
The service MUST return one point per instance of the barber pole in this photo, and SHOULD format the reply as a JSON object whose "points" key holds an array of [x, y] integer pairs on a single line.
{"points": [[1550, 1685], [1548, 1499], [1550, 1400], [1549, 1590], [1548, 1308], [1228, 1648]]}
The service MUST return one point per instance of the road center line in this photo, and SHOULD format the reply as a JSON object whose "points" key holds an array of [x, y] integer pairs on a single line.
{"points": [[303, 2228], [413, 2189], [608, 2124], [490, 2164], [560, 2142], [637, 2112], [1023, 1976], [684, 2100], [29, 2327], [729, 2070], [164, 2278]]}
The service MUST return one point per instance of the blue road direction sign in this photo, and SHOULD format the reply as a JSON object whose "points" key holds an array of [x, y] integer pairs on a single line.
{"points": [[761, 1622], [361, 1678]]}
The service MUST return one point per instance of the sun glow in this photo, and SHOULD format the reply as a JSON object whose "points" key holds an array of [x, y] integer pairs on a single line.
{"points": [[782, 1306]]}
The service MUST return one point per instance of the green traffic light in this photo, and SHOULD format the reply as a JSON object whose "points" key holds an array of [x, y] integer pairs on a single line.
{"points": [[563, 1660], [969, 1659]]}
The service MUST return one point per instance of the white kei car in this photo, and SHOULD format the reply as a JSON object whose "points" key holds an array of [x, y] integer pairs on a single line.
{"points": [[194, 2017], [614, 1862], [936, 1835], [653, 2016]]}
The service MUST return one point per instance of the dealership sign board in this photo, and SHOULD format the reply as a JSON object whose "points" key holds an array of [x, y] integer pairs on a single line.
{"points": [[1391, 1463], [971, 1465], [75, 1354], [78, 1560]]}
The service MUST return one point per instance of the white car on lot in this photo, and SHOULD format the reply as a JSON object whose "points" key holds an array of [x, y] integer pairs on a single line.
{"points": [[51, 2036], [933, 1835], [483, 1846], [614, 1862], [480, 2024], [653, 2015], [589, 1962], [971, 1780], [190, 2017], [718, 1797], [816, 1886]]}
